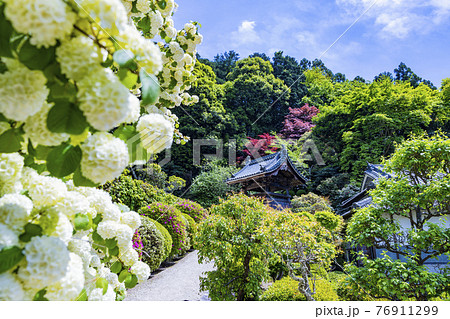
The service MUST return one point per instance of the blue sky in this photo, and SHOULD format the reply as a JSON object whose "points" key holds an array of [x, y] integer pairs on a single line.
{"points": [[416, 32]]}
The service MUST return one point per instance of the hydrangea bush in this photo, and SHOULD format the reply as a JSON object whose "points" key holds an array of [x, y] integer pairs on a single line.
{"points": [[84, 90], [193, 209]]}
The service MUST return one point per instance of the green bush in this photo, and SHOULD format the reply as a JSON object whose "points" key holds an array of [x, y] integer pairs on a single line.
{"points": [[193, 209], [171, 219], [167, 238], [154, 250], [347, 290], [310, 203], [136, 193], [286, 289], [191, 229]]}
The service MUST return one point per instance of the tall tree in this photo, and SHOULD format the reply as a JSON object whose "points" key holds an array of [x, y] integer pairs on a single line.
{"points": [[223, 64], [404, 73], [298, 121], [256, 97]]}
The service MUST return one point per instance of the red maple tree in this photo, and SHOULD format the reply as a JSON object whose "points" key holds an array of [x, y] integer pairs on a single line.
{"points": [[299, 121]]}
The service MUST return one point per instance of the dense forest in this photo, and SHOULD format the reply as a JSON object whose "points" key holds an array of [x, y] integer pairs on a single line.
{"points": [[352, 122]]}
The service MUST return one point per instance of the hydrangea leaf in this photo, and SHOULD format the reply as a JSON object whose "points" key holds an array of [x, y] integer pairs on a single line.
{"points": [[10, 141], [102, 283], [82, 222], [5, 35], [34, 58], [150, 87], [10, 257], [125, 59], [66, 117], [127, 78], [123, 275], [80, 180], [116, 267], [40, 295], [111, 243], [131, 281], [63, 160], [31, 230], [82, 296]]}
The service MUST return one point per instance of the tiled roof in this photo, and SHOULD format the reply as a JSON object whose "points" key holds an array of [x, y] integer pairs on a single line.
{"points": [[264, 165]]}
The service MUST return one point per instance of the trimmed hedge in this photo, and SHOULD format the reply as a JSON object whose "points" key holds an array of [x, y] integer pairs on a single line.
{"points": [[167, 238], [171, 219], [286, 289], [193, 209], [154, 250], [191, 229], [136, 193]]}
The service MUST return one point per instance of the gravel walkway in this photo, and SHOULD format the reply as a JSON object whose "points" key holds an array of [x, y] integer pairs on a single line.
{"points": [[177, 283]]}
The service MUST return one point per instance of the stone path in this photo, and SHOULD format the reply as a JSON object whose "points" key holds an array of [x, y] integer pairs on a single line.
{"points": [[177, 283]]}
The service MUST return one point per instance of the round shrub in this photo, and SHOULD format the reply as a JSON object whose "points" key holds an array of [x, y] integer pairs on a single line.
{"points": [[193, 209], [171, 219], [191, 229], [154, 250], [167, 238], [286, 289], [310, 203]]}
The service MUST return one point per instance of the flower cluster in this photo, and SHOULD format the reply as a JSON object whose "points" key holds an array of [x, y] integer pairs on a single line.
{"points": [[60, 255]]}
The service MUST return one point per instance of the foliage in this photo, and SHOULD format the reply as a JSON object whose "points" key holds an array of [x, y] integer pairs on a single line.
{"points": [[208, 187], [191, 229], [298, 121], [310, 203], [300, 242], [154, 250], [136, 193], [228, 236], [286, 289], [258, 147], [171, 219], [256, 97], [337, 188], [193, 209], [417, 193], [168, 242]]}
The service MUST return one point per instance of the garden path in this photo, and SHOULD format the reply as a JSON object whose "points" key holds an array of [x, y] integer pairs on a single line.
{"points": [[177, 283]]}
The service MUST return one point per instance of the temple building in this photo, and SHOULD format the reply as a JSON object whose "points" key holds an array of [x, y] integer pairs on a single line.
{"points": [[271, 177]]}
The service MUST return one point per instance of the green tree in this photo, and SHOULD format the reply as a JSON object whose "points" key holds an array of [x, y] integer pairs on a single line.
{"points": [[223, 64], [228, 237], [256, 97], [417, 195]]}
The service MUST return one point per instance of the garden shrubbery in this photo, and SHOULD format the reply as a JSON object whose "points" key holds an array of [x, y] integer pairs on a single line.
{"points": [[155, 249], [172, 220], [286, 289], [193, 209]]}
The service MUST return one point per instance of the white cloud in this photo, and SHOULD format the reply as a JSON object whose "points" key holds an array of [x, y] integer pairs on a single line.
{"points": [[400, 18], [246, 33]]}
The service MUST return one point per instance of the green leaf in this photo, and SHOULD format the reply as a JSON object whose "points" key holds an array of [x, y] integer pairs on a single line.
{"points": [[63, 160], [131, 281], [40, 295], [10, 257], [113, 251], [42, 152], [125, 132], [31, 230], [116, 267], [3, 118], [111, 243], [65, 91], [6, 31], [150, 87], [82, 222], [124, 58], [127, 78], [80, 180], [97, 238], [10, 141], [97, 220], [102, 283], [123, 275], [82, 296], [66, 117], [144, 24], [34, 58]]}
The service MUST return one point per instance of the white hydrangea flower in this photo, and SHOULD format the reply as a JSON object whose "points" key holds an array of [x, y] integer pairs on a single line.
{"points": [[167, 11], [45, 20], [131, 219], [15, 210], [129, 256], [103, 99], [73, 203], [135, 109], [82, 248], [47, 259], [104, 157], [96, 263], [190, 28], [7, 237], [97, 294], [156, 21], [36, 129], [78, 56], [143, 6], [141, 270], [10, 167], [148, 54], [123, 208], [110, 15], [123, 233], [44, 190], [70, 286], [113, 280], [101, 202], [177, 51], [156, 132], [22, 92], [10, 288], [63, 229], [171, 32]]}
